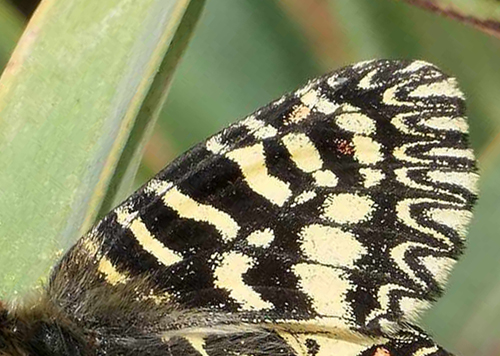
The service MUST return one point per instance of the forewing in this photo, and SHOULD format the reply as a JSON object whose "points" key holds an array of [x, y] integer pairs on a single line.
{"points": [[340, 206]]}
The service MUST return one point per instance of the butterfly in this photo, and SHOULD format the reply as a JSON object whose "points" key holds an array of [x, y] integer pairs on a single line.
{"points": [[322, 224]]}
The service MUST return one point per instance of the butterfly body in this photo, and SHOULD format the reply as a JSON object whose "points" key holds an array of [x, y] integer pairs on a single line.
{"points": [[322, 224]]}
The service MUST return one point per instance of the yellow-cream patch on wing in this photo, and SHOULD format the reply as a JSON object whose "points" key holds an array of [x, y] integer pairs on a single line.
{"points": [[468, 180], [401, 153], [258, 128], [89, 244], [439, 267], [404, 214], [310, 98], [455, 219], [412, 308], [314, 279], [214, 144], [446, 87], [464, 179], [347, 108], [447, 123], [335, 81], [330, 245], [366, 81], [325, 106], [197, 342], [325, 178], [356, 122], [304, 197], [400, 122], [347, 208], [295, 343], [384, 299], [157, 187], [306, 88], [299, 113], [398, 255], [251, 161], [303, 152], [159, 299], [261, 238], [313, 100], [402, 175], [371, 176], [366, 150], [104, 265], [188, 208], [112, 275], [452, 152], [229, 276], [426, 351], [134, 223], [414, 66], [390, 96]]}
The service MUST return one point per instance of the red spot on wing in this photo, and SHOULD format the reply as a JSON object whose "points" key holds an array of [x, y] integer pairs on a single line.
{"points": [[345, 147]]}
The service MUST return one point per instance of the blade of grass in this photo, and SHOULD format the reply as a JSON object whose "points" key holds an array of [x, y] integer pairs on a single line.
{"points": [[68, 100], [123, 179]]}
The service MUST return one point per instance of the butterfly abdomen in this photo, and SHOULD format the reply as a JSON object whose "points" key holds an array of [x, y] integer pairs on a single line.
{"points": [[42, 330]]}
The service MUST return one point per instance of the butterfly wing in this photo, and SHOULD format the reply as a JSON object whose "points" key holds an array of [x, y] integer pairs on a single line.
{"points": [[339, 208]]}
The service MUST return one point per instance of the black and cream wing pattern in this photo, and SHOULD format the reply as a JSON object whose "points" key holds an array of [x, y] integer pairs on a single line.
{"points": [[322, 224]]}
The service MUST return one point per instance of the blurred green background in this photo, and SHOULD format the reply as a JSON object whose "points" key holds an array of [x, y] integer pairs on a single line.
{"points": [[246, 53]]}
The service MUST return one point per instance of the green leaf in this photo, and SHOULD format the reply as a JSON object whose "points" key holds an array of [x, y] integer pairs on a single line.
{"points": [[69, 99], [123, 179]]}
